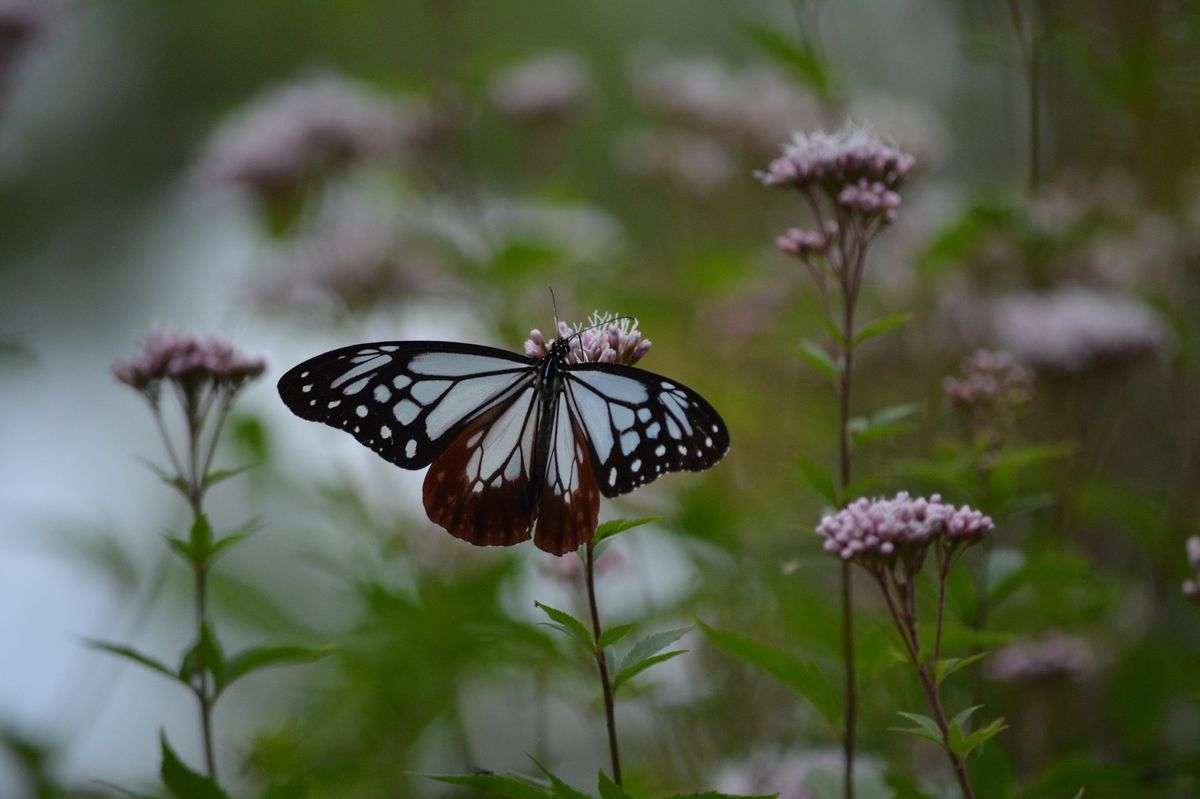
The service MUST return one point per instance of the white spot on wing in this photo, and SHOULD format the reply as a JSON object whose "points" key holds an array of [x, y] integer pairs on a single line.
{"points": [[405, 411], [624, 389], [410, 449], [400, 381], [361, 410], [427, 391], [504, 435], [622, 417], [629, 442], [382, 393], [457, 364], [370, 362], [462, 400], [593, 412], [385, 432], [357, 385]]}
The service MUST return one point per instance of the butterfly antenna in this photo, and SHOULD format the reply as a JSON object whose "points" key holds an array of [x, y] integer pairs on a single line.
{"points": [[554, 305]]}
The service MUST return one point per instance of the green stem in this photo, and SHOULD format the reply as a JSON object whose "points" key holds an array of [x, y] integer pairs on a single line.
{"points": [[602, 664], [850, 724]]}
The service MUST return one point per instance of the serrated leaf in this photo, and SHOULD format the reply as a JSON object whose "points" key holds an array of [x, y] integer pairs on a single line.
{"points": [[560, 788], [634, 669], [181, 781], [880, 326], [818, 478], [174, 481], [132, 654], [201, 538], [501, 784], [568, 624], [947, 666], [804, 677], [614, 634], [982, 736], [962, 716], [616, 526], [219, 475], [650, 644], [926, 727], [610, 790], [264, 657], [816, 357]]}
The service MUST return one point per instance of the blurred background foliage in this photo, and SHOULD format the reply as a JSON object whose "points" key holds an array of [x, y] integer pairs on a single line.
{"points": [[301, 175]]}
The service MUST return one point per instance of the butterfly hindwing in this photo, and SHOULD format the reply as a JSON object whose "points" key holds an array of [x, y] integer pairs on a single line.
{"points": [[406, 400], [570, 499], [479, 488], [641, 425]]}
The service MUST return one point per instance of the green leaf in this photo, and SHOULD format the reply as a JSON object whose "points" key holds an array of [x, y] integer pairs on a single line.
{"points": [[947, 666], [610, 790], [835, 332], [818, 478], [961, 717], [880, 326], [501, 784], [174, 481], [614, 634], [884, 423], [205, 655], [804, 677], [816, 357], [634, 669], [181, 548], [264, 657], [610, 528], [800, 58], [201, 538], [132, 654], [651, 644], [926, 727], [568, 624], [715, 795], [181, 781], [561, 789], [214, 477], [982, 736]]}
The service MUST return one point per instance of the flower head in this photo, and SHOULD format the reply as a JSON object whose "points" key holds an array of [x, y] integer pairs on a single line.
{"points": [[695, 162], [989, 378], [1056, 655], [545, 90], [881, 530], [190, 363], [293, 132], [1073, 329], [1191, 588], [604, 338], [851, 160]]}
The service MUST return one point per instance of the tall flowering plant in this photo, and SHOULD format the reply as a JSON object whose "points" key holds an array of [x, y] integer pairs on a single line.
{"points": [[892, 539], [849, 180], [193, 383]]}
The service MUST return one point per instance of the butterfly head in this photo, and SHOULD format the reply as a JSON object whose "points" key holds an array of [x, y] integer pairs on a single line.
{"points": [[560, 348]]}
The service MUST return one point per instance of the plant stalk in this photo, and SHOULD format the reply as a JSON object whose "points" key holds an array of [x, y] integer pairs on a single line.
{"points": [[850, 724], [602, 665]]}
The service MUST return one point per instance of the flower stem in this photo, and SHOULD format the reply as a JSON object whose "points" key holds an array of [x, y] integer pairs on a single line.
{"points": [[201, 688], [939, 716], [602, 664], [850, 724]]}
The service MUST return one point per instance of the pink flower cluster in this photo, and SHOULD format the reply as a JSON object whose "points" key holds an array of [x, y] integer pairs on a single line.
{"points": [[547, 89], [852, 159], [188, 361], [1056, 655], [1191, 588], [885, 528], [805, 242], [989, 379], [604, 338], [293, 132]]}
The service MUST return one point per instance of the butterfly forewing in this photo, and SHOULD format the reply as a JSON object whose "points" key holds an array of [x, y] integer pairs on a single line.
{"points": [[641, 425], [479, 488], [406, 400], [570, 501]]}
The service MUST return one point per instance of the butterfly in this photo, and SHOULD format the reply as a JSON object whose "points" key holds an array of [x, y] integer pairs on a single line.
{"points": [[511, 441]]}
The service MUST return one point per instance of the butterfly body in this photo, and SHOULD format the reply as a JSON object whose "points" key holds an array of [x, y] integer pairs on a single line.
{"points": [[511, 441]]}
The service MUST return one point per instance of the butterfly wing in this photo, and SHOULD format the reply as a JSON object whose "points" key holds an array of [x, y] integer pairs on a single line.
{"points": [[479, 488], [570, 499], [406, 400], [641, 425]]}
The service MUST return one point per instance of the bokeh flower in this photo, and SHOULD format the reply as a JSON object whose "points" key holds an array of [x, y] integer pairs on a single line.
{"points": [[872, 532], [603, 338], [993, 387], [697, 163], [1073, 329], [1056, 655], [190, 363], [292, 133], [22, 23], [1191, 588], [546, 90]]}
